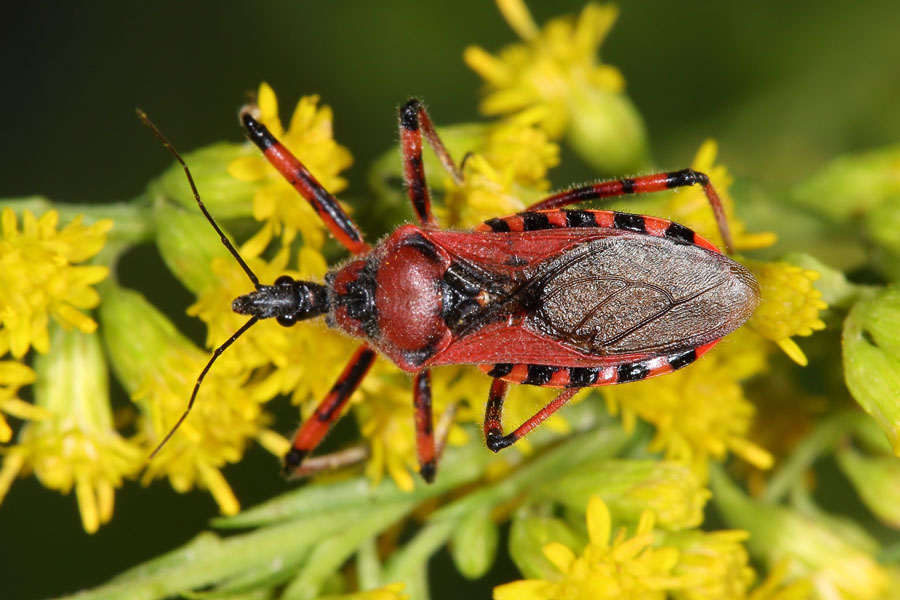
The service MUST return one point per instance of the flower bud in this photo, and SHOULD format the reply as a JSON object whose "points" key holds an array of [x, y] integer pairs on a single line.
{"points": [[225, 196], [629, 487], [474, 544], [527, 538], [607, 132], [188, 244]]}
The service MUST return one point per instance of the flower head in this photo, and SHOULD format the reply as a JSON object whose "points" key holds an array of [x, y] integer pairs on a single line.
{"points": [[556, 70], [700, 412], [509, 166], [618, 568], [714, 565], [309, 137], [391, 591], [548, 66], [75, 445], [39, 278], [789, 305], [159, 367]]}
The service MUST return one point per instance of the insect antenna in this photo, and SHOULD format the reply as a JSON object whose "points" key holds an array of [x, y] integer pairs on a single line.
{"points": [[146, 120], [250, 274], [216, 353]]}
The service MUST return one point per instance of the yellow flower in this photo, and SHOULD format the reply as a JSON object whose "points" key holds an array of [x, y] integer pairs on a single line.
{"points": [[391, 591], [14, 375], [39, 279], [224, 417], [76, 445], [503, 175], [309, 137], [159, 367], [713, 565], [556, 70], [690, 206], [700, 412], [519, 145], [773, 587], [553, 65], [618, 568], [789, 305]]}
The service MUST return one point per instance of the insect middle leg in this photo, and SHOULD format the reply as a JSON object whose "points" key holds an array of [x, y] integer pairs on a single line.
{"points": [[326, 206], [414, 122], [424, 425], [329, 410], [493, 428], [637, 185]]}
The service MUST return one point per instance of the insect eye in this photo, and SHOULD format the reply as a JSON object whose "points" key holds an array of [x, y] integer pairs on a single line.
{"points": [[284, 281], [286, 320]]}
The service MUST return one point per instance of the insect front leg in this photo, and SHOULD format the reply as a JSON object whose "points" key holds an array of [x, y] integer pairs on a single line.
{"points": [[326, 206], [414, 122], [658, 182], [329, 410], [493, 428]]}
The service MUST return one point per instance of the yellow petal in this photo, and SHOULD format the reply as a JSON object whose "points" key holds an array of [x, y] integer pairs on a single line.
{"points": [[526, 589], [25, 410], [87, 504], [561, 556], [517, 16], [490, 68], [598, 522], [274, 442], [790, 347], [221, 491], [12, 464], [15, 373]]}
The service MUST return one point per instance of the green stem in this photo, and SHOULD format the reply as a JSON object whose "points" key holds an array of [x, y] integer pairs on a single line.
{"points": [[819, 441], [331, 553], [368, 565], [589, 445]]}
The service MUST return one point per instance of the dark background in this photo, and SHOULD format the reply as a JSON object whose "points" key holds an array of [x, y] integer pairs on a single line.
{"points": [[781, 86]]}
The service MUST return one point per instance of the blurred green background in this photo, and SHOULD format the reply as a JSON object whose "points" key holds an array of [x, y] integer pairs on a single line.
{"points": [[782, 86]]}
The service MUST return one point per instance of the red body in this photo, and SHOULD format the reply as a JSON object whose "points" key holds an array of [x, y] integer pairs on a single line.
{"points": [[544, 300]]}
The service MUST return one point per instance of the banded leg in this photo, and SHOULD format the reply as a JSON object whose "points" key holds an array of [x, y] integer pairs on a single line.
{"points": [[326, 206], [424, 425], [414, 122], [329, 410], [648, 183], [493, 428]]}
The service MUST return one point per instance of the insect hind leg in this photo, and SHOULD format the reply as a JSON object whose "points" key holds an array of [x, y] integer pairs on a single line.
{"points": [[657, 182], [493, 429]]}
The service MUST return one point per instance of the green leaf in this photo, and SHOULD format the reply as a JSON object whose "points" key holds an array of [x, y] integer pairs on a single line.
{"points": [[871, 350]]}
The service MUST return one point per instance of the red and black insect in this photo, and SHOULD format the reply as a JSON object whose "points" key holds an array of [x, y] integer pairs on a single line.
{"points": [[550, 297]]}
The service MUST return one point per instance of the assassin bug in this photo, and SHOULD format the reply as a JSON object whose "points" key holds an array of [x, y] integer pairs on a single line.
{"points": [[549, 297]]}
